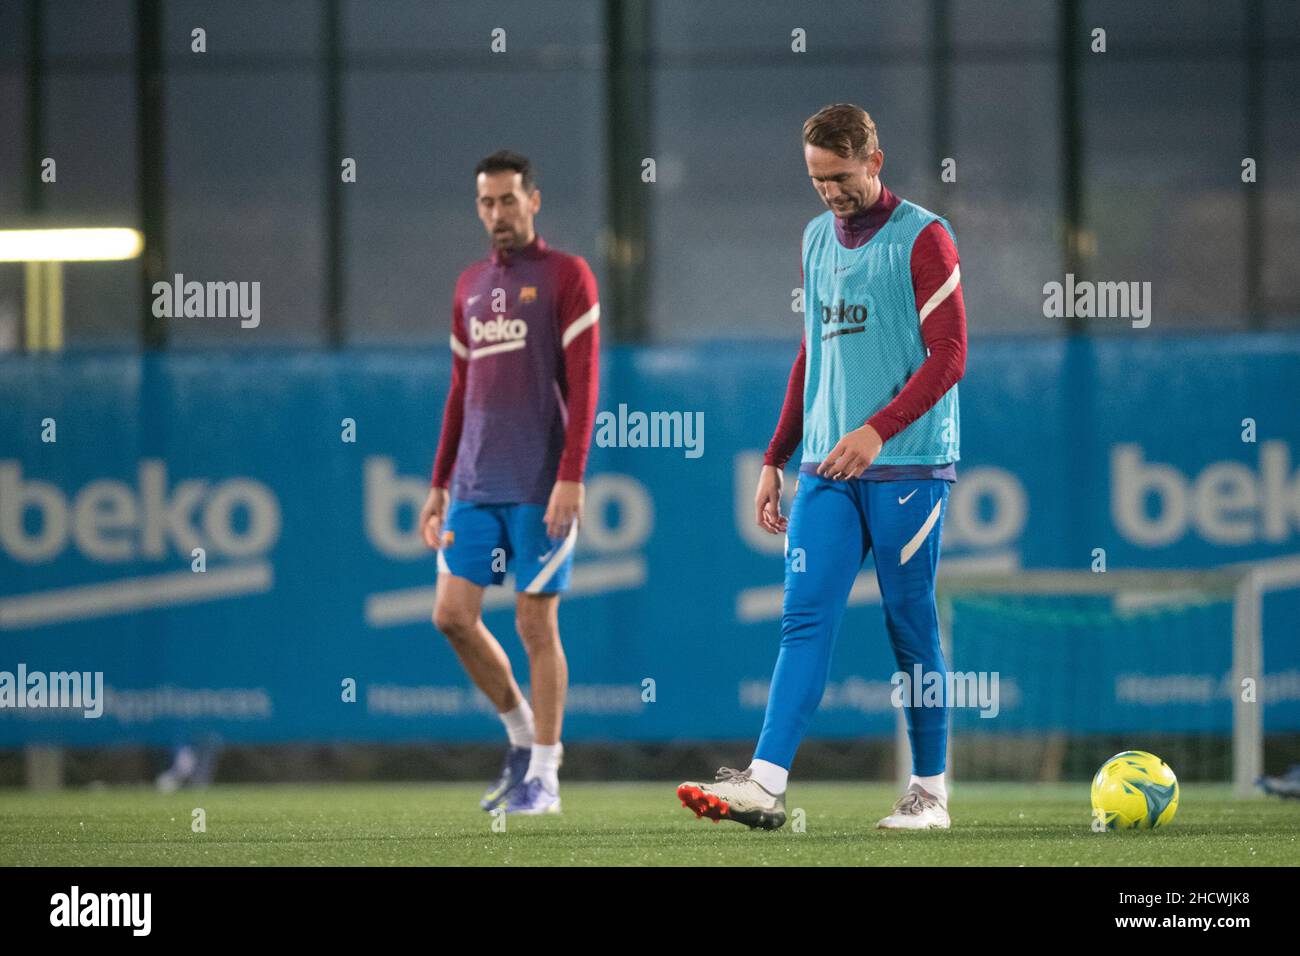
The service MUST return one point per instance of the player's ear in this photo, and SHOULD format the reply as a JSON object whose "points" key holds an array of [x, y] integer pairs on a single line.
{"points": [[876, 162], [535, 201]]}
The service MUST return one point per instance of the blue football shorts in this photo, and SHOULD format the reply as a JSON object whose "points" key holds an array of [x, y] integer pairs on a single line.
{"points": [[481, 541]]}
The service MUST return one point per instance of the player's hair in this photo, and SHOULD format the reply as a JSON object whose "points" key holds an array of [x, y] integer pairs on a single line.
{"points": [[503, 160], [846, 130]]}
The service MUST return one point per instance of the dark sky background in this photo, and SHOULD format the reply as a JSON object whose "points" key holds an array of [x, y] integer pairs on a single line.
{"points": [[1164, 122]]}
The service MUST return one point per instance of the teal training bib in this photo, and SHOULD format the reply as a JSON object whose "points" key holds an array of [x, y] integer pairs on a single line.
{"points": [[863, 340]]}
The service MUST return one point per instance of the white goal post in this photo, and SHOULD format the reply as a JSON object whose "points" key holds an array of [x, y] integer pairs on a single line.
{"points": [[1241, 585]]}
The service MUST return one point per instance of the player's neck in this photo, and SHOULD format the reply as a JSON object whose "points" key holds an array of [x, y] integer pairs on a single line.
{"points": [[872, 208], [506, 254], [874, 194]]}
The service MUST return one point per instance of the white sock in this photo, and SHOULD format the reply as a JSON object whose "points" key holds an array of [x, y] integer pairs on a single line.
{"points": [[932, 785], [769, 776], [544, 764], [519, 725]]}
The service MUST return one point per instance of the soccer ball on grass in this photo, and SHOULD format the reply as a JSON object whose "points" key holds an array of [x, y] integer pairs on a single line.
{"points": [[1134, 790]]}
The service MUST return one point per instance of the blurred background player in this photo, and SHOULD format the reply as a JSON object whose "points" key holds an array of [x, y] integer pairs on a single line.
{"points": [[507, 479], [194, 764], [873, 397]]}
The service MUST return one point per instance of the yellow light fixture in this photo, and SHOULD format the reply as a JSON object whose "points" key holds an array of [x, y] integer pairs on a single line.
{"points": [[44, 251], [69, 245]]}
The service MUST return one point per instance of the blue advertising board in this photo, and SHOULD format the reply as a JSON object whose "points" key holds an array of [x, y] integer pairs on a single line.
{"points": [[1164, 452]]}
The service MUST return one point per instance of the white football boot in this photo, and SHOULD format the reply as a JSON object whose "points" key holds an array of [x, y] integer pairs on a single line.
{"points": [[918, 809], [533, 798], [734, 795]]}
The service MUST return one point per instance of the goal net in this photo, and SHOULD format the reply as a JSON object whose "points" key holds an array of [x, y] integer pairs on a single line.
{"points": [[1051, 672]]}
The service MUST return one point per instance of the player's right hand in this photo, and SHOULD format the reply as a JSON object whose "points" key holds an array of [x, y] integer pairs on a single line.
{"points": [[767, 502], [432, 515]]}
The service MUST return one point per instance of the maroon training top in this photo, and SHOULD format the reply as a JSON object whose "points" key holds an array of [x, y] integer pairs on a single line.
{"points": [[524, 342]]}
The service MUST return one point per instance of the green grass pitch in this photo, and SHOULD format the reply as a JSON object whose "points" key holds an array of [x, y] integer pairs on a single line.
{"points": [[619, 824]]}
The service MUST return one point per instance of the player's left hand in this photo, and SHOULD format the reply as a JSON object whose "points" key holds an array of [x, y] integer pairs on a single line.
{"points": [[564, 509], [850, 458]]}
